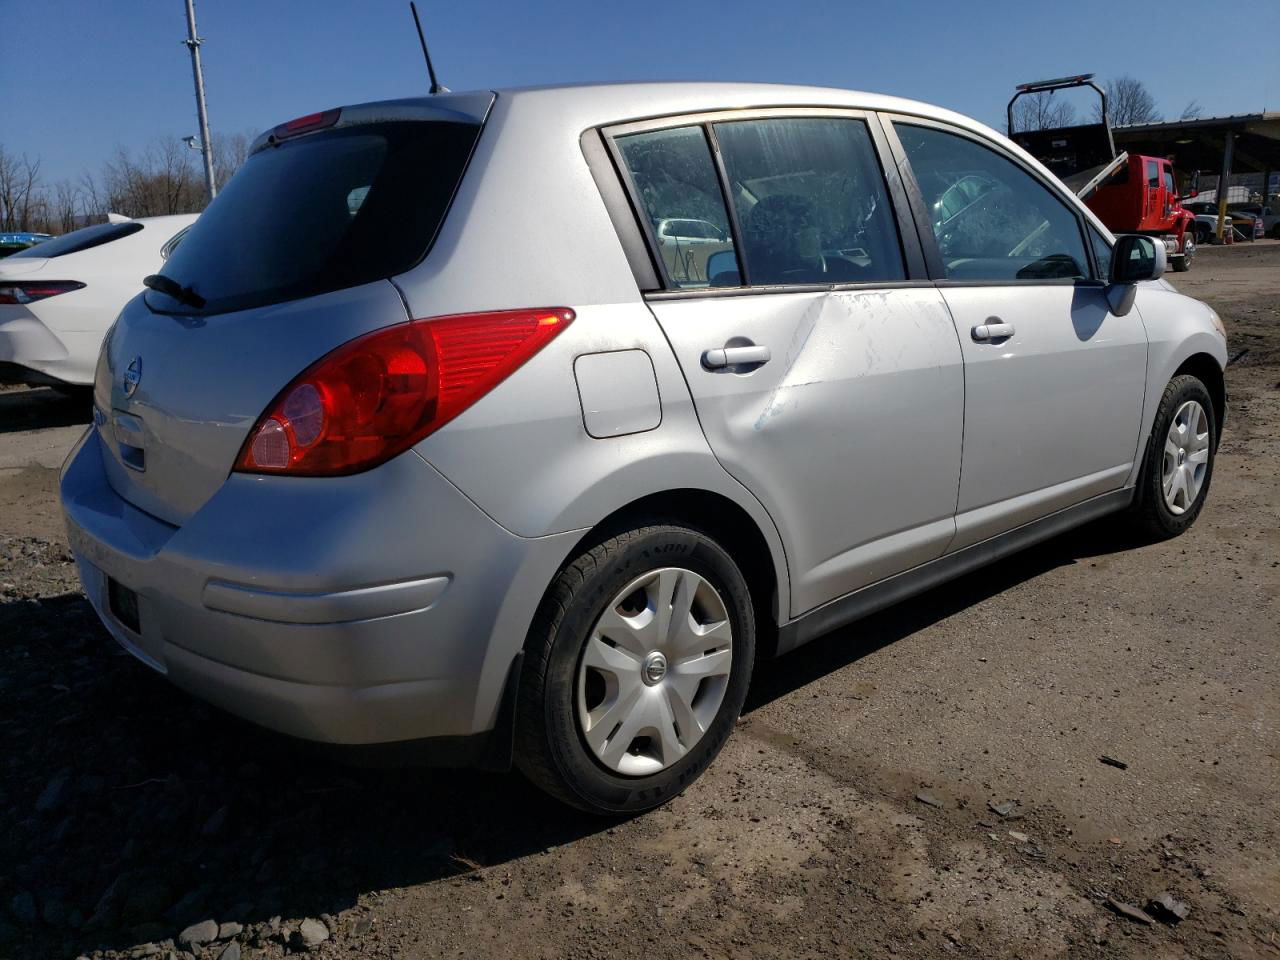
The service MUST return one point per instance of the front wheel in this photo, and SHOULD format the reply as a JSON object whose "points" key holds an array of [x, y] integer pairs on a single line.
{"points": [[636, 669], [1178, 464]]}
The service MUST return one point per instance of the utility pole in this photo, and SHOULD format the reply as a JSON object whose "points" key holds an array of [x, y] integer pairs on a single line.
{"points": [[202, 113], [1224, 185]]}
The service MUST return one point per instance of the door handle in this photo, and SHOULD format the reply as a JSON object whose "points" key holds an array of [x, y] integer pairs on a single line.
{"points": [[986, 332], [722, 357]]}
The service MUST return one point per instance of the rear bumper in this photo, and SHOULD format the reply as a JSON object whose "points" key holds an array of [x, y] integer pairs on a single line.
{"points": [[377, 608], [31, 353], [16, 373]]}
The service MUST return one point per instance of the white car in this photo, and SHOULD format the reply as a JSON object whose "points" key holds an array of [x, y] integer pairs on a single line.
{"points": [[58, 298]]}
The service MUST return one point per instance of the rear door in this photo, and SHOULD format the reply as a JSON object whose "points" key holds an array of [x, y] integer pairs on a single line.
{"points": [[1053, 380], [824, 368]]}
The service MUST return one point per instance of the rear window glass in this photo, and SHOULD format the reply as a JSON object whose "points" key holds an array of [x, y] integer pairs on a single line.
{"points": [[81, 239], [319, 213]]}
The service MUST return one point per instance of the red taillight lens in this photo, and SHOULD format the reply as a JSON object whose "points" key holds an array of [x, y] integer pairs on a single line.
{"points": [[30, 292], [312, 121], [378, 395]]}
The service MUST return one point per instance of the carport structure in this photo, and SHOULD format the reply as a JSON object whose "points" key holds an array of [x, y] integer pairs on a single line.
{"points": [[1224, 146]]}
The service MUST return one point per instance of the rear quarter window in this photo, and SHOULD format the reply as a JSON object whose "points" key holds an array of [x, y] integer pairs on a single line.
{"points": [[322, 212]]}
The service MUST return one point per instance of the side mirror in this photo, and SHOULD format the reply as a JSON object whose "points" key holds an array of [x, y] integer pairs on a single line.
{"points": [[1133, 258], [1136, 258], [722, 269]]}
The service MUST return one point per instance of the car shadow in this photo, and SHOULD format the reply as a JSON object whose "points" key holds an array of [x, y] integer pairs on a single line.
{"points": [[847, 645], [39, 408], [133, 809]]}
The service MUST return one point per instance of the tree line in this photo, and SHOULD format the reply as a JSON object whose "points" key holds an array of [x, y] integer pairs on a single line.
{"points": [[163, 178], [1128, 101]]}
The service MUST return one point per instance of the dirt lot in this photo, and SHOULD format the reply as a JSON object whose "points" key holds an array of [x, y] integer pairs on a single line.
{"points": [[131, 811]]}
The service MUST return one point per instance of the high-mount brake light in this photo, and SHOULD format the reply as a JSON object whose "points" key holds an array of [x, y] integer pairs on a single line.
{"points": [[29, 291], [307, 124], [379, 394]]}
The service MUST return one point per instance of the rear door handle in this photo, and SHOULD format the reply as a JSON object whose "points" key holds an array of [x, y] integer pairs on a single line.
{"points": [[986, 332], [722, 357]]}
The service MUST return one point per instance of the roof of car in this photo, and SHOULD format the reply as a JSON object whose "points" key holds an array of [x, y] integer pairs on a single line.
{"points": [[614, 102], [586, 105]]}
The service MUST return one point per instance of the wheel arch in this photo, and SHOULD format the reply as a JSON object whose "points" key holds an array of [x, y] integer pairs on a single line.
{"points": [[1205, 368], [732, 526]]}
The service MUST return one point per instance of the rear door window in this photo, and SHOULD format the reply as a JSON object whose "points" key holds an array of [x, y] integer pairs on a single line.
{"points": [[321, 212], [674, 178], [810, 200]]}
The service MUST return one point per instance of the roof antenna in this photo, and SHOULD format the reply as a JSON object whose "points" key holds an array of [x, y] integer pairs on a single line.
{"points": [[436, 86]]}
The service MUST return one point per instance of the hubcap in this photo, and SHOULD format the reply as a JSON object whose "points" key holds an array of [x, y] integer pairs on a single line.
{"points": [[655, 668], [1186, 457], [654, 671]]}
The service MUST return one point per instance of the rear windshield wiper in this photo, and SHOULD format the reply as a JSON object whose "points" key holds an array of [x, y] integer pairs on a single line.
{"points": [[171, 288]]}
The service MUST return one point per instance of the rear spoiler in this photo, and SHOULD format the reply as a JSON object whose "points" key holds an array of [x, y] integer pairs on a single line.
{"points": [[470, 108], [1084, 183]]}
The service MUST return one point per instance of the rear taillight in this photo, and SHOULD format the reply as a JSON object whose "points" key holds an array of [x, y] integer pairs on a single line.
{"points": [[378, 395], [26, 291]]}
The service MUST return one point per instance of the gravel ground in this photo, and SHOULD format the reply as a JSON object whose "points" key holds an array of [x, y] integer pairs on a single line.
{"points": [[850, 815]]}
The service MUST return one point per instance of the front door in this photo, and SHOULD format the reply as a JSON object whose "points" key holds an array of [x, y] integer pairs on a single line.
{"points": [[1054, 381], [827, 385]]}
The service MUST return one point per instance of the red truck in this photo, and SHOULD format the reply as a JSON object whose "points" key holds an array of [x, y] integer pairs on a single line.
{"points": [[1129, 193]]}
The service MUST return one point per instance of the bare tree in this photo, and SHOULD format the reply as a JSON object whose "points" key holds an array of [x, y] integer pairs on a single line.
{"points": [[19, 190], [1040, 111], [1192, 111], [93, 203], [229, 154], [1129, 102], [163, 178], [65, 209]]}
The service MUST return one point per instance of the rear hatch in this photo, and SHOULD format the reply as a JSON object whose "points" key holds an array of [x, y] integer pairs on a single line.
{"points": [[290, 261]]}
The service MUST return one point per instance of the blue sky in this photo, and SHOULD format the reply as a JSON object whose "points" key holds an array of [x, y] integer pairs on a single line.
{"points": [[79, 78]]}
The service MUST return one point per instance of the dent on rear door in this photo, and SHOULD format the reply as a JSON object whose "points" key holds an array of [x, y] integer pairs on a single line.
{"points": [[850, 435]]}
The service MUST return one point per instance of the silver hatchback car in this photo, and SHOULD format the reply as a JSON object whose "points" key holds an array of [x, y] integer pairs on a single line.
{"points": [[426, 435]]}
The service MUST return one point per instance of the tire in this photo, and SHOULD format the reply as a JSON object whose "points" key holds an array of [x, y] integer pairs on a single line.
{"points": [[1203, 235], [561, 690], [1181, 264], [1152, 512]]}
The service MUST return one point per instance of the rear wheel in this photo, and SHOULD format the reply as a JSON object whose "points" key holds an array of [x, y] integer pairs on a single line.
{"points": [[636, 669], [1182, 264], [1178, 465]]}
